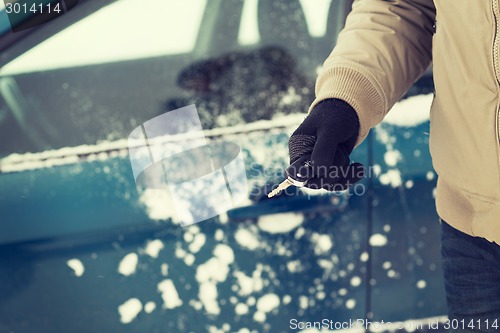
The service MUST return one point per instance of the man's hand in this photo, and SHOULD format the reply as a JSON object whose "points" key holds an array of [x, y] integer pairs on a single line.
{"points": [[328, 134]]}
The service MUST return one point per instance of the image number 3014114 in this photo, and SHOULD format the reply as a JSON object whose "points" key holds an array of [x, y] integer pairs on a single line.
{"points": [[27, 14]]}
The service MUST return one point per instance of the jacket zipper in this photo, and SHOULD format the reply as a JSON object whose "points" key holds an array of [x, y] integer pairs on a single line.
{"points": [[496, 43]]}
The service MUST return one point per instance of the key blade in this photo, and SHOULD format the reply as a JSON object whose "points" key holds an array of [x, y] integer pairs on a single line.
{"points": [[283, 186]]}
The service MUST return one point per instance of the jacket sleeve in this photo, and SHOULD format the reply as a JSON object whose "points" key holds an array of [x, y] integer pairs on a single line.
{"points": [[384, 47]]}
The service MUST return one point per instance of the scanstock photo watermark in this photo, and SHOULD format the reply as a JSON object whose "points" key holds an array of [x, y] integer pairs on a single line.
{"points": [[441, 323]]}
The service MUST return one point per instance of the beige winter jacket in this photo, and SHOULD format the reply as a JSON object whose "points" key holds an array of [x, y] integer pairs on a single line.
{"points": [[386, 46]]}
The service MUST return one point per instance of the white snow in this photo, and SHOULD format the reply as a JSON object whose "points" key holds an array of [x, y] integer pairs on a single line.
{"points": [[251, 301], [244, 329], [421, 284], [327, 265], [223, 218], [188, 237], [180, 252], [128, 264], [322, 243], [129, 310], [224, 253], [158, 203], [71, 155], [164, 269], [386, 265], [412, 111], [391, 177], [189, 259], [378, 240], [392, 157], [153, 248], [265, 304], [429, 175], [364, 256], [241, 309], [169, 294], [280, 223], [350, 303], [355, 281], [219, 235], [294, 266], [77, 266], [247, 239], [149, 307], [249, 284], [213, 271], [259, 317], [246, 283], [268, 303], [208, 296], [303, 302], [198, 242], [299, 233]]}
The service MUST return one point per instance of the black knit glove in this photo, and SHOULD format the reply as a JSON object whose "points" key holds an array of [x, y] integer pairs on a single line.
{"points": [[328, 134]]}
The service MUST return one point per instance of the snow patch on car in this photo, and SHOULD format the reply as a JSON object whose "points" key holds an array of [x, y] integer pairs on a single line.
{"points": [[280, 223], [247, 239], [265, 304], [128, 264], [214, 270], [129, 310], [378, 240], [409, 112], [77, 266], [169, 294], [392, 178], [153, 248], [158, 203], [149, 307]]}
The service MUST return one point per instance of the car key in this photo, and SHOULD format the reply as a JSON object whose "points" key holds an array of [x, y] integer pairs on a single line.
{"points": [[297, 174]]}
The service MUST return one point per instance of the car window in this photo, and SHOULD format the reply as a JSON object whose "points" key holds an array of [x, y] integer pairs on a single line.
{"points": [[61, 88], [99, 78], [124, 30], [316, 15]]}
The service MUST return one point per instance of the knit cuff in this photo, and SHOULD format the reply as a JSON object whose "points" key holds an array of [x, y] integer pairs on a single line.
{"points": [[356, 90]]}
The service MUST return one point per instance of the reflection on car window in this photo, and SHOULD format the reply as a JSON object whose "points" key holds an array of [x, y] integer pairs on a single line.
{"points": [[249, 31], [316, 15], [124, 30]]}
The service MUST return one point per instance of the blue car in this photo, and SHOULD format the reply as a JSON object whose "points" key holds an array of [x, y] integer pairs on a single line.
{"points": [[85, 248]]}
